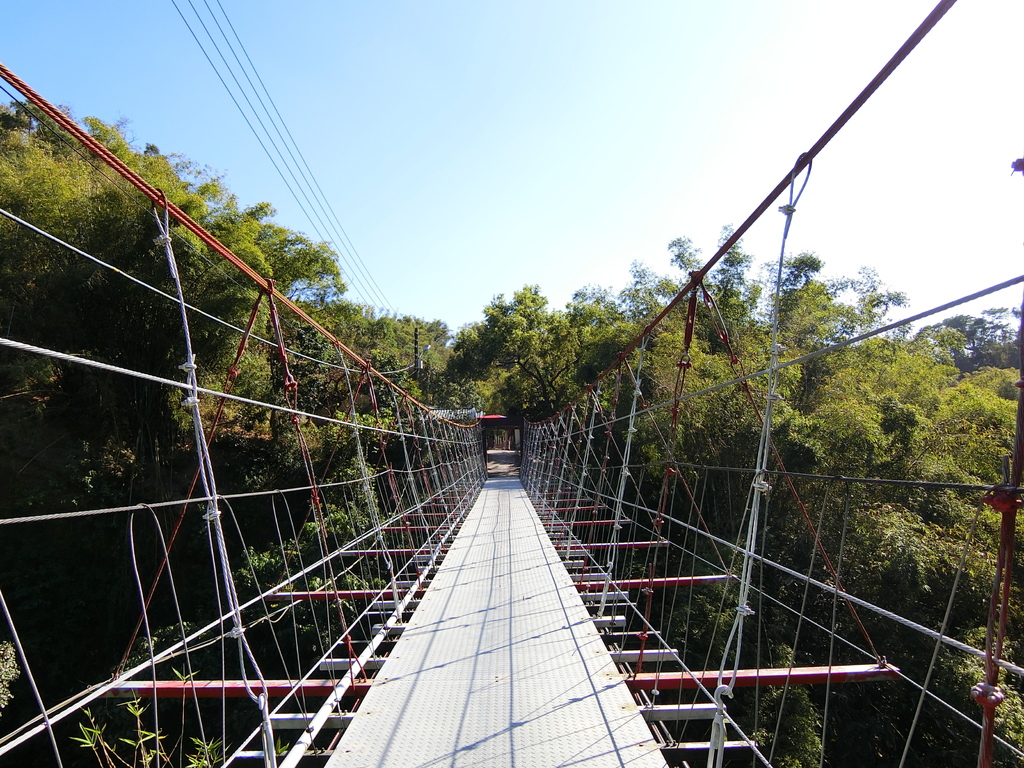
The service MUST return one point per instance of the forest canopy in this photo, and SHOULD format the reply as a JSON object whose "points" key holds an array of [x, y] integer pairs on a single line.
{"points": [[929, 405]]}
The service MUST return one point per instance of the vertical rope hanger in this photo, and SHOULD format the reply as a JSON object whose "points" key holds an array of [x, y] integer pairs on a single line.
{"points": [[623, 477], [23, 658], [229, 384], [588, 438], [759, 491], [565, 419], [213, 514], [364, 476]]}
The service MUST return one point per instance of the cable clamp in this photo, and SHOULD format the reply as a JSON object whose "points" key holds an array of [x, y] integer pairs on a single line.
{"points": [[189, 366], [211, 514], [236, 632], [744, 610], [789, 210], [190, 402], [988, 696], [762, 486], [773, 396], [162, 240]]}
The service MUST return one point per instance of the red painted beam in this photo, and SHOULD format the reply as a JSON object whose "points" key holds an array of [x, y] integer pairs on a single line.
{"points": [[381, 552], [341, 594], [748, 678], [608, 545], [232, 689], [671, 581]]}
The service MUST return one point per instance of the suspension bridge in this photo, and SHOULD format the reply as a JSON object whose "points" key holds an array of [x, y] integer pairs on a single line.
{"points": [[597, 604]]}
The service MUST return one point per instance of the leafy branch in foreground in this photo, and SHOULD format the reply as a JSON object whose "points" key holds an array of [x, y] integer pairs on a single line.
{"points": [[146, 746]]}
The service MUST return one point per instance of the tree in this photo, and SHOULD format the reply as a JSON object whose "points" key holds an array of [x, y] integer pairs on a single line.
{"points": [[979, 342], [535, 358], [77, 438]]}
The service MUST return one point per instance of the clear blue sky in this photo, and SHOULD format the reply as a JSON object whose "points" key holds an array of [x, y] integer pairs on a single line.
{"points": [[470, 148]]}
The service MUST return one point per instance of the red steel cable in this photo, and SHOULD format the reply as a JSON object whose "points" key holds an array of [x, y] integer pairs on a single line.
{"points": [[158, 199]]}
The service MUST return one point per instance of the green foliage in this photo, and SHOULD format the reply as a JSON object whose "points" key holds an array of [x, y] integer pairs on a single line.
{"points": [[978, 342], [793, 731], [536, 358], [938, 405], [9, 672], [76, 438], [142, 748]]}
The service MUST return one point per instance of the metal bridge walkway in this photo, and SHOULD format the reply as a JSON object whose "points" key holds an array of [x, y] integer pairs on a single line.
{"points": [[500, 665]]}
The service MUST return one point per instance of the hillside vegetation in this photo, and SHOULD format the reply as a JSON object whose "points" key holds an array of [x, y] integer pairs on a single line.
{"points": [[934, 405]]}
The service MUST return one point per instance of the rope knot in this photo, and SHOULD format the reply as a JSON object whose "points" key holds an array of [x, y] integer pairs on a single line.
{"points": [[988, 696], [720, 693], [789, 210]]}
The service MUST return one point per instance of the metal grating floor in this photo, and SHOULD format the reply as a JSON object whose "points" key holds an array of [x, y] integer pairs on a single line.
{"points": [[500, 664]]}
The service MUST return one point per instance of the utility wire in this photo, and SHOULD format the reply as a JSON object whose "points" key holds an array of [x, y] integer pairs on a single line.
{"points": [[303, 186]]}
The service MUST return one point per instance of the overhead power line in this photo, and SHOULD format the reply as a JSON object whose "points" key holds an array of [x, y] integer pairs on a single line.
{"points": [[267, 124]]}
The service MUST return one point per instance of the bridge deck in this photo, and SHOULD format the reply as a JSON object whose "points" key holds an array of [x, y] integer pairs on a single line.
{"points": [[500, 664]]}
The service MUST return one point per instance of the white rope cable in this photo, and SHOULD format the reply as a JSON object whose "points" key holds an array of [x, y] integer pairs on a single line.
{"points": [[23, 658], [176, 503], [801, 614], [624, 475], [143, 284], [759, 489], [783, 365], [830, 590], [554, 439], [532, 437], [189, 671], [75, 703], [156, 735], [213, 513], [938, 642], [65, 357]]}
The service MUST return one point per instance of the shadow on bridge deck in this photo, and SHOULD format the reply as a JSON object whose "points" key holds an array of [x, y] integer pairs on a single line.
{"points": [[500, 664]]}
